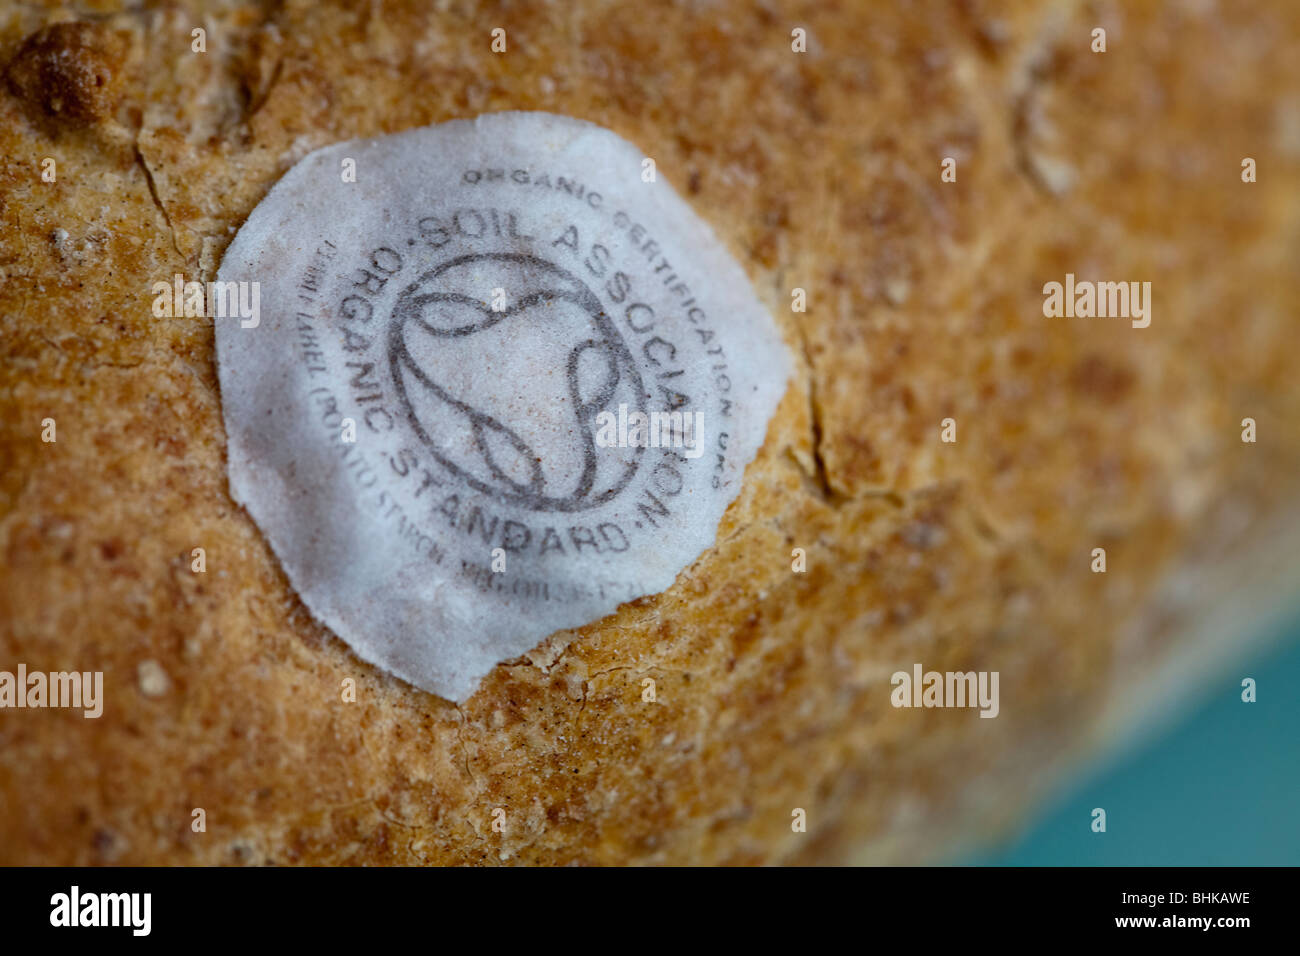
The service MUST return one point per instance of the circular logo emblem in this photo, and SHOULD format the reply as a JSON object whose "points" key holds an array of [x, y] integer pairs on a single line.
{"points": [[528, 440], [492, 386]]}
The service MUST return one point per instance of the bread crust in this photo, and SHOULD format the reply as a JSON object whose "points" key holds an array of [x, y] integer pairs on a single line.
{"points": [[819, 171]]}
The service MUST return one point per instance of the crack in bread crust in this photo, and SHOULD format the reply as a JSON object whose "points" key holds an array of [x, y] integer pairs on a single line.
{"points": [[819, 171]]}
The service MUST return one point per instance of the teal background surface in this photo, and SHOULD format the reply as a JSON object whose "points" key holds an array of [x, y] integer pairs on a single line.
{"points": [[1219, 788]]}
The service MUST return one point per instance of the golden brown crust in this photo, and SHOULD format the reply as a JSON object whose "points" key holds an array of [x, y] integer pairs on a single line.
{"points": [[819, 171], [70, 71]]}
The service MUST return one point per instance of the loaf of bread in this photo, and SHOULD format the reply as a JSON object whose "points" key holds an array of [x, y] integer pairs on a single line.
{"points": [[936, 488]]}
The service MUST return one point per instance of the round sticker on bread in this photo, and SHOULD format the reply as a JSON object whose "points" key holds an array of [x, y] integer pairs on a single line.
{"points": [[500, 380]]}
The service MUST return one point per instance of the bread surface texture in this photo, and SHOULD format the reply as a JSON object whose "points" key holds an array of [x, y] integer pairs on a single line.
{"points": [[819, 171]]}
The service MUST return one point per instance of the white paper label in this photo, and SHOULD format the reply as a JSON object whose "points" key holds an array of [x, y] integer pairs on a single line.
{"points": [[501, 381]]}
